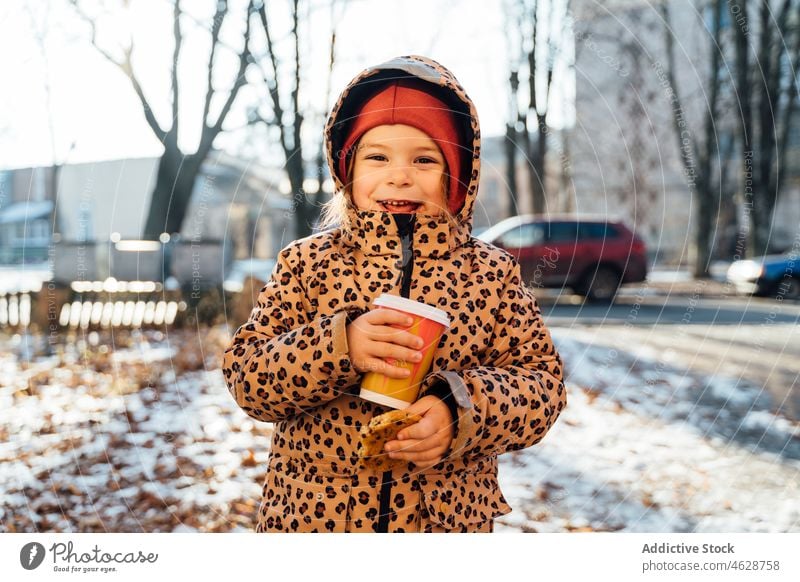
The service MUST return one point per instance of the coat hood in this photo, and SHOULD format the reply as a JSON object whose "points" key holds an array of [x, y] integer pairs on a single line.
{"points": [[445, 86]]}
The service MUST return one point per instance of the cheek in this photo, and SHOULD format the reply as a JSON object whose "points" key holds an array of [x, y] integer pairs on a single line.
{"points": [[360, 187], [437, 187]]}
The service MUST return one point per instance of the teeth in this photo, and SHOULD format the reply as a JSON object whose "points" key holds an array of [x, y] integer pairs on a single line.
{"points": [[398, 203]]}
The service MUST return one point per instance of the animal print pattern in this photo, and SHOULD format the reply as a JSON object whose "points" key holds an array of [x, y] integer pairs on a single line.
{"points": [[289, 364]]}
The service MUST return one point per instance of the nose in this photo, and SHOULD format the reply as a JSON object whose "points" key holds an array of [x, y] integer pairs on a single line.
{"points": [[399, 175]]}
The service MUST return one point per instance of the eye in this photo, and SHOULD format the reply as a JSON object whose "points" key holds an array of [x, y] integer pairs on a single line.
{"points": [[376, 157], [427, 160]]}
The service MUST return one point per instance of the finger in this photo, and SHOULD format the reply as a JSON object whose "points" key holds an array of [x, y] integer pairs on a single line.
{"points": [[412, 445], [393, 335], [388, 350], [389, 317], [423, 405], [424, 429], [411, 340], [380, 322], [381, 367]]}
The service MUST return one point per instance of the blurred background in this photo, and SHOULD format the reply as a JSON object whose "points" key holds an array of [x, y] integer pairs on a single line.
{"points": [[640, 159]]}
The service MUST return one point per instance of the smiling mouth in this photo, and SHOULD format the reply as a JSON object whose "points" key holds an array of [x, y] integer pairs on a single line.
{"points": [[399, 205]]}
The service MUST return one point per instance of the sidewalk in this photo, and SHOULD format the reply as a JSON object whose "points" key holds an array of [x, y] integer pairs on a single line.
{"points": [[665, 283], [705, 288]]}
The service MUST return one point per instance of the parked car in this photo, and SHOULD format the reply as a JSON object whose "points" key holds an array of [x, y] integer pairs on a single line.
{"points": [[776, 275], [477, 230], [593, 257]]}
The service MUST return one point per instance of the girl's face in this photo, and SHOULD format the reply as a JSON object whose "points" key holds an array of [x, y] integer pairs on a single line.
{"points": [[398, 168]]}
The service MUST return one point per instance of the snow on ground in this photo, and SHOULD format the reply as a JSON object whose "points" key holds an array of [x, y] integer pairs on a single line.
{"points": [[648, 447], [137, 432], [108, 446]]}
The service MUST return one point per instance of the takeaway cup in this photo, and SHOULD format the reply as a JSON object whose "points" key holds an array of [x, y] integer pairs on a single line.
{"points": [[429, 324]]}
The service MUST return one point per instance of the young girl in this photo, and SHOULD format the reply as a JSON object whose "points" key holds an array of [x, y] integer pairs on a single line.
{"points": [[403, 146]]}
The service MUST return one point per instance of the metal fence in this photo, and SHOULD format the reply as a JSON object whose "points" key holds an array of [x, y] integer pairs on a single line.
{"points": [[132, 284], [201, 264], [91, 305]]}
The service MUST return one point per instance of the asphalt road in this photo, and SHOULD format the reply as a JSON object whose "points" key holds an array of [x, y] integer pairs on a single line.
{"points": [[652, 308], [755, 341]]}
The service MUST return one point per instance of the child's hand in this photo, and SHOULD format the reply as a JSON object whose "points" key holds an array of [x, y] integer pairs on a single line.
{"points": [[371, 340], [425, 442]]}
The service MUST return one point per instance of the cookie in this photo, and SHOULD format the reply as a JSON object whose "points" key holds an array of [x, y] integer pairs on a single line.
{"points": [[377, 433]]}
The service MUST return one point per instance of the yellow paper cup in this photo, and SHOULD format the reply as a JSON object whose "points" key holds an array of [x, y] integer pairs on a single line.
{"points": [[429, 324]]}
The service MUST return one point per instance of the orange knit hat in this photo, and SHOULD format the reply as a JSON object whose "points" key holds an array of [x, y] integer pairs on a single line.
{"points": [[407, 102]]}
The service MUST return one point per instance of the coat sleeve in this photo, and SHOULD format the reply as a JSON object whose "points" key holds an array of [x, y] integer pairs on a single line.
{"points": [[280, 362], [512, 400]]}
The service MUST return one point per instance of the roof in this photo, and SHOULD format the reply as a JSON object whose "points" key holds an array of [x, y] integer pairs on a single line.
{"points": [[565, 217], [25, 211]]}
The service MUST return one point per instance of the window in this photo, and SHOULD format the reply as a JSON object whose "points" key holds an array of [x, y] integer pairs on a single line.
{"points": [[525, 235], [597, 230], [563, 232], [5, 185], [39, 229]]}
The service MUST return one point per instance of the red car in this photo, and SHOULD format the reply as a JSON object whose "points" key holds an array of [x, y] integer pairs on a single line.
{"points": [[593, 257]]}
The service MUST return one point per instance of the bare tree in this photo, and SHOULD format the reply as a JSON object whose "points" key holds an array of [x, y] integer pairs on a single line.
{"points": [[543, 36], [40, 27], [306, 206], [766, 87], [178, 170], [511, 144], [697, 155]]}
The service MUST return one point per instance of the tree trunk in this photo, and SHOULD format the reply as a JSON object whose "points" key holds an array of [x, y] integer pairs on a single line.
{"points": [[737, 10], [702, 186], [172, 192], [538, 176], [765, 100], [511, 169], [177, 172], [703, 226], [764, 110], [302, 215]]}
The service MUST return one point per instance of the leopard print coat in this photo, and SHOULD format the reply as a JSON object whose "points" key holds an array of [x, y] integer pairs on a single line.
{"points": [[288, 364]]}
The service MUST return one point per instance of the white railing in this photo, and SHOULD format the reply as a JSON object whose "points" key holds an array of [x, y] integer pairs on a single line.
{"points": [[90, 304]]}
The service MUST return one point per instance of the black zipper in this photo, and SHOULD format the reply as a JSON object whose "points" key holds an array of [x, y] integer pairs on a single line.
{"points": [[405, 227]]}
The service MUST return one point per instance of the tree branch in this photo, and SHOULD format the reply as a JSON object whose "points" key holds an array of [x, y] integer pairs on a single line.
{"points": [[298, 117], [272, 85], [320, 163], [532, 105], [677, 110], [172, 136], [126, 67], [219, 16], [742, 84], [211, 132], [783, 17], [148, 111], [709, 146]]}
